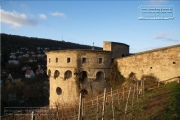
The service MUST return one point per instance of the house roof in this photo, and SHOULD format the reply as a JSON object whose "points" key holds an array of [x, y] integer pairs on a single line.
{"points": [[28, 72]]}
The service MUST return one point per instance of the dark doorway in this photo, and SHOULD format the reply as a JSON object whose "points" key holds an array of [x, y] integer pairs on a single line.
{"points": [[100, 76], [83, 76]]}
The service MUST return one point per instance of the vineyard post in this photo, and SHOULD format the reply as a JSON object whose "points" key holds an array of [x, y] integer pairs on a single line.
{"points": [[118, 98], [80, 106], [97, 115], [82, 109], [123, 93], [141, 87], [133, 95], [57, 112], [137, 91], [104, 102], [32, 115], [112, 102], [127, 100]]}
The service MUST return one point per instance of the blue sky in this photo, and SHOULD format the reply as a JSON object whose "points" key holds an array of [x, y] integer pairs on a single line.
{"points": [[85, 22]]}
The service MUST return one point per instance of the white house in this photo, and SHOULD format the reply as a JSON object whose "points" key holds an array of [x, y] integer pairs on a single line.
{"points": [[13, 62], [12, 56]]}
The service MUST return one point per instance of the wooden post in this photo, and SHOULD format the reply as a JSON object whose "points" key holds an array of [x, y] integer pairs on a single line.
{"points": [[104, 103], [112, 102], [118, 98], [80, 106], [133, 95], [143, 88], [32, 116], [137, 90], [82, 109], [123, 93], [97, 115], [127, 100]]}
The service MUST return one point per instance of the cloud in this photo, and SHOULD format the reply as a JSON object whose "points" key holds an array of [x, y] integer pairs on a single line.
{"points": [[167, 36], [42, 16], [24, 7], [161, 36], [16, 19], [59, 14]]}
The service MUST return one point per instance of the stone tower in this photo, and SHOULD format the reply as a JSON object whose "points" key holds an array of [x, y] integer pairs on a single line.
{"points": [[73, 71], [118, 49]]}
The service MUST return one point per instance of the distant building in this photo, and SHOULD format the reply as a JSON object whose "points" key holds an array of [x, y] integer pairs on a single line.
{"points": [[29, 74], [16, 62]]}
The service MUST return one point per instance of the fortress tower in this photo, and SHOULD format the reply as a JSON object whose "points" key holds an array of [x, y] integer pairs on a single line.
{"points": [[73, 71]]}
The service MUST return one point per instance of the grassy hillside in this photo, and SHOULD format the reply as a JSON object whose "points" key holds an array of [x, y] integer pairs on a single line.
{"points": [[161, 103]]}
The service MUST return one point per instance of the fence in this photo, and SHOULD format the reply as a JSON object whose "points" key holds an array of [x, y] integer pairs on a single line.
{"points": [[115, 104]]}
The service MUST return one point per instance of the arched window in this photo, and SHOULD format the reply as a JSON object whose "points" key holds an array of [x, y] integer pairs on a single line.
{"points": [[49, 73], [100, 75], [56, 74], [67, 74]]}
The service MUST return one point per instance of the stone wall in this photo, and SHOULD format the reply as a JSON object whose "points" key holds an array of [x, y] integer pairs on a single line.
{"points": [[163, 63]]}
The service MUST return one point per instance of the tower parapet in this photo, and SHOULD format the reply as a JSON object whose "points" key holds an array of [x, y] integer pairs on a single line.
{"points": [[118, 49]]}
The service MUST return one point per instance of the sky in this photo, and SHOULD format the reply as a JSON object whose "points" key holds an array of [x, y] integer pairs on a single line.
{"points": [[88, 21]]}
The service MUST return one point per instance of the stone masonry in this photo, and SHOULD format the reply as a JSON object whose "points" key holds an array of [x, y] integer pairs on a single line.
{"points": [[73, 71], [162, 63]]}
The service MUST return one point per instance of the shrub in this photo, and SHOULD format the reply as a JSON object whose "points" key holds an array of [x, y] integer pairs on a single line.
{"points": [[150, 81], [116, 78]]}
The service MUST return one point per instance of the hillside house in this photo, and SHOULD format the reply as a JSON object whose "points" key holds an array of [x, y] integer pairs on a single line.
{"points": [[12, 56], [29, 74], [16, 62], [39, 71]]}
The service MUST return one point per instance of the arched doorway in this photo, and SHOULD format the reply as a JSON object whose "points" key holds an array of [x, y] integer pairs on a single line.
{"points": [[67, 74], [83, 76], [100, 76]]}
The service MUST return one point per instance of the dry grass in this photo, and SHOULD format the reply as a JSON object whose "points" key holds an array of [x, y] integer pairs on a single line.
{"points": [[158, 104]]}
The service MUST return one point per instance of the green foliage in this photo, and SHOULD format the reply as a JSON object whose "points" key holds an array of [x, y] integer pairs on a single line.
{"points": [[116, 78], [131, 80], [172, 111], [150, 81]]}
